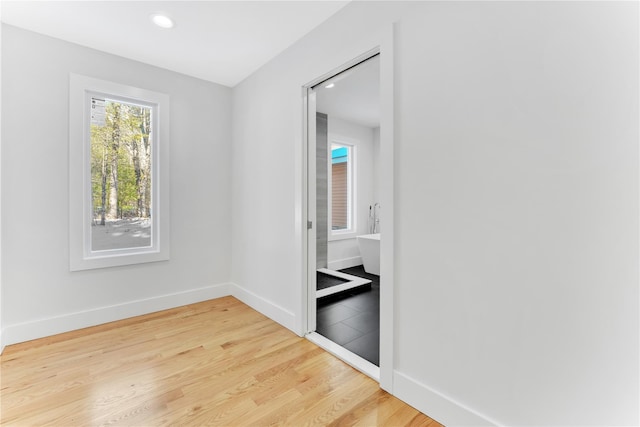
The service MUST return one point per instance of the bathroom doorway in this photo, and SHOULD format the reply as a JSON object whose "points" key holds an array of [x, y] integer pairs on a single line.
{"points": [[345, 213]]}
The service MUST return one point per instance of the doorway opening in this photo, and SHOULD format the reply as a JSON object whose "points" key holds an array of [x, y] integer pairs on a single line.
{"points": [[345, 224]]}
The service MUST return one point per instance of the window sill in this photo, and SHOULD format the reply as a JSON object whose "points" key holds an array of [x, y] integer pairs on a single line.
{"points": [[342, 236]]}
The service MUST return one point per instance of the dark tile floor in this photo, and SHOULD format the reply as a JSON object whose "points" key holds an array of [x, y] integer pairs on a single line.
{"points": [[324, 281], [352, 318]]}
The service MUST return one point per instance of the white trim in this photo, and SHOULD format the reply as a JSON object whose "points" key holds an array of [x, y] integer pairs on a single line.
{"points": [[387, 319], [310, 263], [45, 327], [40, 328], [386, 191], [341, 235], [81, 257], [352, 359], [273, 311], [353, 282], [341, 275], [352, 195], [1, 319], [439, 407], [340, 264], [301, 214]]}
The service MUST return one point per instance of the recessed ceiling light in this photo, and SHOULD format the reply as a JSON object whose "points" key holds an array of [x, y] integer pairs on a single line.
{"points": [[162, 20], [330, 85]]}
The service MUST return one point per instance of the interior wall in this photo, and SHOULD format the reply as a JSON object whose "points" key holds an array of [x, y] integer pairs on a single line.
{"points": [[516, 189], [518, 199], [45, 297], [1, 323], [376, 168]]}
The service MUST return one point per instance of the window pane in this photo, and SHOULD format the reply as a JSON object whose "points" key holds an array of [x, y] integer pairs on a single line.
{"points": [[340, 159], [120, 175]]}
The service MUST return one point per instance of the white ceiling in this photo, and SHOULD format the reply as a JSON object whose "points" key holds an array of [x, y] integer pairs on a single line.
{"points": [[219, 41], [355, 96]]}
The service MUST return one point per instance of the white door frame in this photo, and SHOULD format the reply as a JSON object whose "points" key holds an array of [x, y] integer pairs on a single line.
{"points": [[387, 343], [310, 199]]}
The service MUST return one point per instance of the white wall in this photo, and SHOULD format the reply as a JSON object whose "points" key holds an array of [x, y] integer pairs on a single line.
{"points": [[267, 253], [1, 323], [376, 168], [343, 253], [42, 296], [516, 240]]}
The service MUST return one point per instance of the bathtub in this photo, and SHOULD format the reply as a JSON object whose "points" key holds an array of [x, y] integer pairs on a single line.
{"points": [[369, 245]]}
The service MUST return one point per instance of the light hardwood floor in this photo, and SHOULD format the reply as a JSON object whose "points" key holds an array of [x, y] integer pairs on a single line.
{"points": [[213, 363]]}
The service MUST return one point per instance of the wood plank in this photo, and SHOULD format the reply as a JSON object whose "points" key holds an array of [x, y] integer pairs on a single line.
{"points": [[218, 362]]}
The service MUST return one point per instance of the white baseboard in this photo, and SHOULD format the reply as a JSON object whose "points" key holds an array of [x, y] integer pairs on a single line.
{"points": [[345, 263], [273, 311], [436, 405], [1, 340], [40, 328]]}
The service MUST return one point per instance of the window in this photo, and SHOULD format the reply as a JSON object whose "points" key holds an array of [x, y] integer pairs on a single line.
{"points": [[342, 189], [119, 201], [121, 174]]}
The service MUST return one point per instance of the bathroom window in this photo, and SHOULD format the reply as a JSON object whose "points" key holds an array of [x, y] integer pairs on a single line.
{"points": [[342, 188], [118, 174]]}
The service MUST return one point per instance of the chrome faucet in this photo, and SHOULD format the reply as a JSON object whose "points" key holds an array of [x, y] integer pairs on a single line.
{"points": [[376, 219]]}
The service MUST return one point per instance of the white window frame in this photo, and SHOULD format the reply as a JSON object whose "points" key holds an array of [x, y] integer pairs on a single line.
{"points": [[81, 257], [351, 231]]}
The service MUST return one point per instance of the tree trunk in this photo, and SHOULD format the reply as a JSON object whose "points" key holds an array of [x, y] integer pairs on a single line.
{"points": [[115, 146], [139, 163], [103, 178], [135, 149], [144, 193]]}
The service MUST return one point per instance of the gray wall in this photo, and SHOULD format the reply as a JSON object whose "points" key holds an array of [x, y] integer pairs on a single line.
{"points": [[322, 190]]}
